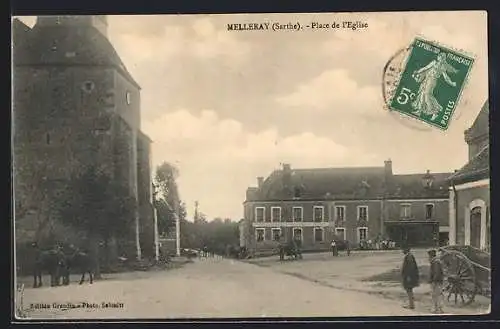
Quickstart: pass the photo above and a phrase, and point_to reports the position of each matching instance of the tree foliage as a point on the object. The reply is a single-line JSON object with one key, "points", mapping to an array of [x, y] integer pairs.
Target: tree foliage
{"points": [[98, 205], [167, 199]]}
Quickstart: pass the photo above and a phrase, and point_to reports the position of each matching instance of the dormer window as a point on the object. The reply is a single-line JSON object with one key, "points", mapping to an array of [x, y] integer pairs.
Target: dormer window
{"points": [[427, 180], [296, 192]]}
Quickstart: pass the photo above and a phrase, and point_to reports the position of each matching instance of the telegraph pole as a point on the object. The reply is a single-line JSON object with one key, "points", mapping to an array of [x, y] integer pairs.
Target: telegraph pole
{"points": [[155, 214], [177, 233]]}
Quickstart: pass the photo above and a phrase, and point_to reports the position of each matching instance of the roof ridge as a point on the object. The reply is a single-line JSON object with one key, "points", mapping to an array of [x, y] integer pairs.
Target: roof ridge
{"points": [[336, 168]]}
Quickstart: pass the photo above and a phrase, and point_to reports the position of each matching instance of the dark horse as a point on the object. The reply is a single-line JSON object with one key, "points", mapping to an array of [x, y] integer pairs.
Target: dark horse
{"points": [[78, 260], [47, 261], [290, 249]]}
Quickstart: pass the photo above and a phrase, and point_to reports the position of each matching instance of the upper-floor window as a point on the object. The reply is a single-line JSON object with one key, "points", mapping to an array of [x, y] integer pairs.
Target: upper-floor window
{"points": [[429, 211], [297, 214], [405, 210], [275, 214], [259, 214], [319, 213], [363, 213], [340, 213]]}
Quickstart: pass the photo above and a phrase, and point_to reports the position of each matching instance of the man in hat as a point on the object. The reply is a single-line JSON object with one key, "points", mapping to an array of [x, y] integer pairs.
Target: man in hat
{"points": [[410, 276], [436, 278], [333, 247]]}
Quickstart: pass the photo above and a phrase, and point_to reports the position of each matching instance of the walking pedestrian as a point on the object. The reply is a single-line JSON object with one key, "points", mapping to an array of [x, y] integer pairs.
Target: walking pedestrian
{"points": [[348, 247], [410, 276], [436, 278]]}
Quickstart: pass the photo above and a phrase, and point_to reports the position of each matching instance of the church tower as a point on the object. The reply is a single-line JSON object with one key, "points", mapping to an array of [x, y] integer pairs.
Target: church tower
{"points": [[99, 22], [75, 106]]}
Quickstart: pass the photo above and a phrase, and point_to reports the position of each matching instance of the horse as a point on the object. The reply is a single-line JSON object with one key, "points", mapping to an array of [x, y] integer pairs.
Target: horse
{"points": [[49, 261], [80, 261]]}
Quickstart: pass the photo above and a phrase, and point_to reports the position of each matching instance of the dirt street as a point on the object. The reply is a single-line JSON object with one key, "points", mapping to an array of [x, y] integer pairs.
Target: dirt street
{"points": [[205, 288], [373, 272]]}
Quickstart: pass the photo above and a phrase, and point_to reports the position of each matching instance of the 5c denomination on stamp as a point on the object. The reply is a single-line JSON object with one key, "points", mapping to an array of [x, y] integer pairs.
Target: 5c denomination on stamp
{"points": [[431, 83]]}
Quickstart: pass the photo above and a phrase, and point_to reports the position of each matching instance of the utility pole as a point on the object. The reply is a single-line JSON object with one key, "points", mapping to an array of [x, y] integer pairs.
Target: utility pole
{"points": [[155, 214], [177, 232], [196, 211]]}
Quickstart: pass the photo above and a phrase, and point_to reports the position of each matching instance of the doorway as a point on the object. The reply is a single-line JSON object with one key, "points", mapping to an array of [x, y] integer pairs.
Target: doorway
{"points": [[475, 227]]}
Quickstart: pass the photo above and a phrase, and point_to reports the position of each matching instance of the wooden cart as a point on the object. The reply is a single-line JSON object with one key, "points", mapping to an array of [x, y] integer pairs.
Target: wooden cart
{"points": [[468, 273]]}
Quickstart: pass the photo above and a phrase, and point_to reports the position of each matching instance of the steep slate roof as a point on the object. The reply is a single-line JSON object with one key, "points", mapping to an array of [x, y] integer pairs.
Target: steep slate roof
{"points": [[477, 168], [51, 45], [19, 31], [480, 126], [347, 183], [412, 186], [315, 184]]}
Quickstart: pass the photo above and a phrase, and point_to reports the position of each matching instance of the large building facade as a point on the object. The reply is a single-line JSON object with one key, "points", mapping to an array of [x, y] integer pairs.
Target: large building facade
{"points": [[318, 205], [470, 220], [75, 106]]}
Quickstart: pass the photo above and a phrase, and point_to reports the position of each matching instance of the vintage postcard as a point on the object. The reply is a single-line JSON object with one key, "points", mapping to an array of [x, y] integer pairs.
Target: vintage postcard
{"points": [[251, 166]]}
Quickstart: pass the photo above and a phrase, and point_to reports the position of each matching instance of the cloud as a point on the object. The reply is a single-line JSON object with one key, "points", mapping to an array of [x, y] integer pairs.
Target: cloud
{"points": [[219, 159], [334, 90], [388, 33], [164, 39]]}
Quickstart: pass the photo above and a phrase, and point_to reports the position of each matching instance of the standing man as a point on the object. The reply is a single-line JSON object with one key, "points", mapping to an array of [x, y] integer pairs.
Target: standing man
{"points": [[333, 246], [348, 247], [410, 276], [436, 278]]}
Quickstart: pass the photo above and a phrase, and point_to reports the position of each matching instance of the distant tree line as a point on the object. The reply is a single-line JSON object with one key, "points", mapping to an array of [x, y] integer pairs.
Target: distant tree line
{"points": [[200, 232]]}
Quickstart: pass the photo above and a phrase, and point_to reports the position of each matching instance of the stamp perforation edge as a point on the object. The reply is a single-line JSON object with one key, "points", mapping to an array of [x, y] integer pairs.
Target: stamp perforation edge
{"points": [[469, 55]]}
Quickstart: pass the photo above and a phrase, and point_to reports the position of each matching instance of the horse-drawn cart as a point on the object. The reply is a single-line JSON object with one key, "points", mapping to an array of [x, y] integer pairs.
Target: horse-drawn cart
{"points": [[467, 271], [290, 249]]}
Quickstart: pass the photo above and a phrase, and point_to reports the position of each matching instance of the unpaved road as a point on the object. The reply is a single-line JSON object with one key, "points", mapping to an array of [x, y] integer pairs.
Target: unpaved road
{"points": [[217, 288]]}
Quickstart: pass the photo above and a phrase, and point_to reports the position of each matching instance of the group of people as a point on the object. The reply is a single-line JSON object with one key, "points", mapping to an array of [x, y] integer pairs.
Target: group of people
{"points": [[411, 279], [377, 244]]}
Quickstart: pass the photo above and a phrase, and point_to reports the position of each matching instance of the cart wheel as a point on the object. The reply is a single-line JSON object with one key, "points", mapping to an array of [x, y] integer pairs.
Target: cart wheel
{"points": [[460, 286]]}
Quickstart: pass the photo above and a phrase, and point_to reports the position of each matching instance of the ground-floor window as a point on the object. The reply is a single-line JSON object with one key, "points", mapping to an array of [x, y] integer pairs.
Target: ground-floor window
{"points": [[297, 234], [260, 234], [362, 233], [276, 234], [318, 234], [340, 232]]}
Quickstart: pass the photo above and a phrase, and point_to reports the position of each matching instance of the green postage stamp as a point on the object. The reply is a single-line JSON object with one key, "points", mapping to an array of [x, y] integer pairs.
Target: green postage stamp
{"points": [[431, 83]]}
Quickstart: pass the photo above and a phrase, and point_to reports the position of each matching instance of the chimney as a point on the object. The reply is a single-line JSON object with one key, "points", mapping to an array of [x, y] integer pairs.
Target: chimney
{"points": [[260, 180], [388, 167], [427, 179], [388, 172], [287, 176]]}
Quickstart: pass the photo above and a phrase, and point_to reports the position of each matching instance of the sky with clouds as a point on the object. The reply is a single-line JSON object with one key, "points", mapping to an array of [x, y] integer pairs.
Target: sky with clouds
{"points": [[228, 106]]}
